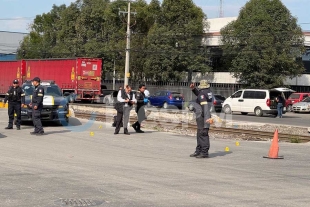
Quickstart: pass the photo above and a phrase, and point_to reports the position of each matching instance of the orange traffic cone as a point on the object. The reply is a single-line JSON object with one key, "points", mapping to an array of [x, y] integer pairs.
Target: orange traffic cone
{"points": [[274, 148]]}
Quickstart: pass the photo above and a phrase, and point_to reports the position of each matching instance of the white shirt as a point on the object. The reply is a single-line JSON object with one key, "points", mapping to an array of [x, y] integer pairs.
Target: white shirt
{"points": [[120, 99], [146, 93]]}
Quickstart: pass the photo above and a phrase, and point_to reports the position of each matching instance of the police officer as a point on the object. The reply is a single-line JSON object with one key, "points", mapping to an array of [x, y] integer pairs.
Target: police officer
{"points": [[141, 101], [16, 98], [37, 105], [203, 118]]}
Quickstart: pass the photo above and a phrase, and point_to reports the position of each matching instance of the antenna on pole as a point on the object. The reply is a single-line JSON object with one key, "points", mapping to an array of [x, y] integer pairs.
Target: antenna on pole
{"points": [[221, 13]]}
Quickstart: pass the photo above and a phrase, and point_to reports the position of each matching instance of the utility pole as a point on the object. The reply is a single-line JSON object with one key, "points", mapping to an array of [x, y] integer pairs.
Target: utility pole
{"points": [[114, 75], [221, 13], [127, 74]]}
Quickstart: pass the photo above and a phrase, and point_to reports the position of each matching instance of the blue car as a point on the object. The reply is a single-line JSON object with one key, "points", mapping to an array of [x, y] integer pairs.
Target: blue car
{"points": [[166, 98]]}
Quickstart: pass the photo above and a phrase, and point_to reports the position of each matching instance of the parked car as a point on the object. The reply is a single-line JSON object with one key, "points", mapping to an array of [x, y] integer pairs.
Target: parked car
{"points": [[55, 106], [295, 98], [217, 103], [302, 106], [257, 101], [165, 99]]}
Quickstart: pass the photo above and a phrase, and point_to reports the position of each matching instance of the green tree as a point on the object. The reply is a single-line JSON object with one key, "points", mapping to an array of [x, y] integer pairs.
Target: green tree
{"points": [[261, 47], [174, 41]]}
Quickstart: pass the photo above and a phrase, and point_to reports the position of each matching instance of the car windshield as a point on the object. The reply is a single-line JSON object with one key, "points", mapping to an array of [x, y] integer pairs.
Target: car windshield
{"points": [[294, 96], [306, 99], [220, 97], [52, 91], [48, 90]]}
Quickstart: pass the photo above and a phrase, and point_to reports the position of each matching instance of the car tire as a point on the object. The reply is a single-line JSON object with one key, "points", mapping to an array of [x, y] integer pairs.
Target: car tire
{"points": [[165, 105], [244, 113], [258, 111], [227, 109]]}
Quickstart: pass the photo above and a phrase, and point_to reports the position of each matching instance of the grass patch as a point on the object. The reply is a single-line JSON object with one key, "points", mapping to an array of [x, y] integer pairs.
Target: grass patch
{"points": [[295, 139]]}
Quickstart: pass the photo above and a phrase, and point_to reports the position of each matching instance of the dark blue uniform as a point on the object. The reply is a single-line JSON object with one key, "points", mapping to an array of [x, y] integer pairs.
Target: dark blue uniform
{"points": [[204, 103], [15, 96], [141, 101], [37, 100]]}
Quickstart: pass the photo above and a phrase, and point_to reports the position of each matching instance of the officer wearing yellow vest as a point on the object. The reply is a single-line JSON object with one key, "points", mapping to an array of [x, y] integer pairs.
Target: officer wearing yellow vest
{"points": [[16, 98], [203, 118]]}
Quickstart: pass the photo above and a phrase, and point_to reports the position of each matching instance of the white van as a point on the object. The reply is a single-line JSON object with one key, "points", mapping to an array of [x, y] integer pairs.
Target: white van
{"points": [[257, 101]]}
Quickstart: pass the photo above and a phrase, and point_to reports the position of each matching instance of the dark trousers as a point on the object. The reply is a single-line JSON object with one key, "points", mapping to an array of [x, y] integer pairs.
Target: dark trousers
{"points": [[14, 107], [119, 120], [36, 119], [141, 117], [203, 141]]}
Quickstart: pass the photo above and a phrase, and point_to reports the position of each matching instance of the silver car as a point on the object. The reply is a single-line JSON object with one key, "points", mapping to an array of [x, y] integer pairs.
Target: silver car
{"points": [[302, 106]]}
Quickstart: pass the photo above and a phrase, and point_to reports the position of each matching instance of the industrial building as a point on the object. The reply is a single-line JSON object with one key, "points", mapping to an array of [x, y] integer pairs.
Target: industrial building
{"points": [[9, 43]]}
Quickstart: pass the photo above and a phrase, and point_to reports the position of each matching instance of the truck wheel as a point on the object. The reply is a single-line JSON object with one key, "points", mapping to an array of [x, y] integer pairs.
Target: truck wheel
{"points": [[289, 108], [258, 111], [71, 99]]}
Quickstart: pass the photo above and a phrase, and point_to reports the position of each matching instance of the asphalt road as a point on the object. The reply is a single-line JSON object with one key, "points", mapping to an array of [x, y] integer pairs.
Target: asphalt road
{"points": [[88, 162]]}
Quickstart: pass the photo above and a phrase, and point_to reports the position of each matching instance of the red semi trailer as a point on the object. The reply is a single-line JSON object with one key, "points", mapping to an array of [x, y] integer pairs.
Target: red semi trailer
{"points": [[9, 71], [78, 78]]}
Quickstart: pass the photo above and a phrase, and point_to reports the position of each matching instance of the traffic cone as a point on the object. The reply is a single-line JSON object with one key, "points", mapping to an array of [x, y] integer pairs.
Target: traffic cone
{"points": [[274, 148]]}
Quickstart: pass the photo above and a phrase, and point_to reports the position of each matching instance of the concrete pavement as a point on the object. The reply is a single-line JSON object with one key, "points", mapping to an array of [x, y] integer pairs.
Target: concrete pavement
{"points": [[88, 162]]}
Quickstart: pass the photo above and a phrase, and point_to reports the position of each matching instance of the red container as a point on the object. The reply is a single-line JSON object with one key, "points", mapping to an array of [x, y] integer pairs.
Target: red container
{"points": [[9, 71], [81, 77]]}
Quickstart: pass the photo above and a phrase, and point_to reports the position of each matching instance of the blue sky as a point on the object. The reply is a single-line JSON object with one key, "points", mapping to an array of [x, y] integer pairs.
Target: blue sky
{"points": [[16, 15]]}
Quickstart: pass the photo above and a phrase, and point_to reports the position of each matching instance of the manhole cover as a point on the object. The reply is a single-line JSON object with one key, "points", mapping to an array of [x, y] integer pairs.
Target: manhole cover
{"points": [[78, 202]]}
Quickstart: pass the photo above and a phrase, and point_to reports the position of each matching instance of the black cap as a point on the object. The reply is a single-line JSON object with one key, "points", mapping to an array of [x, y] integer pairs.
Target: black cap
{"points": [[15, 81], [36, 79]]}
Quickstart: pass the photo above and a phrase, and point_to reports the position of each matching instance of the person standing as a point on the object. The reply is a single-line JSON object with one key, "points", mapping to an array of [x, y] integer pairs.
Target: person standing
{"points": [[203, 118], [16, 99], [37, 105], [126, 99], [280, 101], [141, 101]]}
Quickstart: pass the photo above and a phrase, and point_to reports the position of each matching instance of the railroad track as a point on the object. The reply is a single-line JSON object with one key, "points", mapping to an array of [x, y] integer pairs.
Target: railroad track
{"points": [[247, 134]]}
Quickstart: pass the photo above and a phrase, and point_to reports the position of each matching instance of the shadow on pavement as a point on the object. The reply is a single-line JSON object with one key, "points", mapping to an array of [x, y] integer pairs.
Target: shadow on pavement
{"points": [[57, 132], [2, 136], [218, 154]]}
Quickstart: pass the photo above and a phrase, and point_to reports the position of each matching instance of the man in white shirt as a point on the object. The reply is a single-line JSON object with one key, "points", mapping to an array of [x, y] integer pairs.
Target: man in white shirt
{"points": [[127, 98]]}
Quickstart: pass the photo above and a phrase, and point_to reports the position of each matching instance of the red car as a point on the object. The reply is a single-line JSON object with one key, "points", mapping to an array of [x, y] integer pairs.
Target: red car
{"points": [[295, 98]]}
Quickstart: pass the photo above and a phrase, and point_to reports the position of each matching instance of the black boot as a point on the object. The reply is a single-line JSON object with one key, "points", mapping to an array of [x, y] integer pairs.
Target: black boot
{"points": [[139, 129], [126, 131], [9, 127], [135, 126]]}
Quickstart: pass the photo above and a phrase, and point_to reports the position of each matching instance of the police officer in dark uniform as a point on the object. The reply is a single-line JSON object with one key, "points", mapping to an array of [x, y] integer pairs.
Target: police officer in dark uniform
{"points": [[203, 118], [37, 105], [141, 101], [16, 98]]}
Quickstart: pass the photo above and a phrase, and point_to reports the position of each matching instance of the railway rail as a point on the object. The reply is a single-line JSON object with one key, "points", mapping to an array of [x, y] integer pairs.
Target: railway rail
{"points": [[247, 134]]}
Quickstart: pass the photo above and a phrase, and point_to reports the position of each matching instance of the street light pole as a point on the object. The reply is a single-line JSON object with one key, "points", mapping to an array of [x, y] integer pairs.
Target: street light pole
{"points": [[114, 76], [127, 49], [127, 74]]}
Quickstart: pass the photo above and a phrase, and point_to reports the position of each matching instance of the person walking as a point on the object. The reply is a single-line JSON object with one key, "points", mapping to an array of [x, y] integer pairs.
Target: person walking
{"points": [[16, 99], [37, 106], [203, 118], [141, 100], [280, 101], [126, 99]]}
